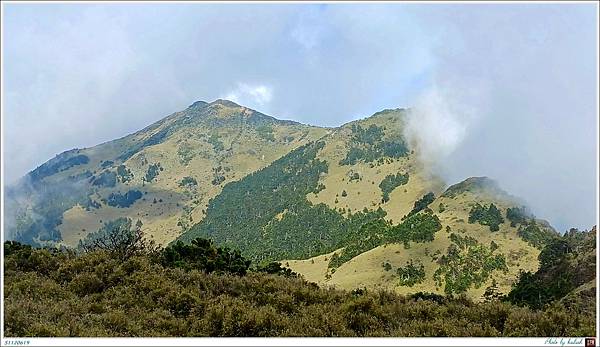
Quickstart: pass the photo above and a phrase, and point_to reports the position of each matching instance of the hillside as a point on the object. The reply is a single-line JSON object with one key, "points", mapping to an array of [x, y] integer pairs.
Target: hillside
{"points": [[163, 175], [346, 207]]}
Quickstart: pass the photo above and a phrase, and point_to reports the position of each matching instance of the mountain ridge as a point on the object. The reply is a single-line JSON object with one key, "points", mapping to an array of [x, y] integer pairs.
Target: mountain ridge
{"points": [[334, 204]]}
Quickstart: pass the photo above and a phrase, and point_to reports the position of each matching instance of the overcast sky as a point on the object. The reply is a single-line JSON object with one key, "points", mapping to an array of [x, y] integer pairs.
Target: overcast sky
{"points": [[504, 90]]}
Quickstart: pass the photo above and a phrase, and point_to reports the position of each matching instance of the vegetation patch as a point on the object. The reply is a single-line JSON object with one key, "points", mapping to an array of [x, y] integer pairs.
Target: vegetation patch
{"points": [[188, 182], [39, 223], [155, 139], [218, 176], [203, 255], [535, 235], [91, 203], [105, 179], [265, 132], [354, 176], [81, 176], [215, 141], [417, 228], [411, 274], [420, 227], [245, 214], [422, 203], [154, 293], [489, 216], [106, 163], [566, 262], [518, 215], [60, 163], [369, 236], [123, 200], [467, 263], [186, 153], [369, 145], [153, 171], [390, 182], [124, 174]]}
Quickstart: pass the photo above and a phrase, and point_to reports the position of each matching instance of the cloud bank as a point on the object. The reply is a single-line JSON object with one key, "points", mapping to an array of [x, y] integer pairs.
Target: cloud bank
{"points": [[502, 90]]}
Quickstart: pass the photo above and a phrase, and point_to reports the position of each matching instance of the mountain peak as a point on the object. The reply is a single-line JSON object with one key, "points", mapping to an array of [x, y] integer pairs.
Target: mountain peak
{"points": [[224, 102], [198, 104], [473, 184]]}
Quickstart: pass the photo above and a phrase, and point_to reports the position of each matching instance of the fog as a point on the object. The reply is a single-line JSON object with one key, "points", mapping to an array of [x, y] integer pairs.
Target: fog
{"points": [[506, 91]]}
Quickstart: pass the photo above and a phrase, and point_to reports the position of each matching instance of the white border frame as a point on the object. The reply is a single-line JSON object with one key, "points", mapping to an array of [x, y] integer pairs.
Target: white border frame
{"points": [[277, 341]]}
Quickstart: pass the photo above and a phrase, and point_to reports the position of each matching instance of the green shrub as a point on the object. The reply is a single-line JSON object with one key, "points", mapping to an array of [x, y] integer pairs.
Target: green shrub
{"points": [[467, 263], [534, 235], [489, 216], [411, 274], [368, 145], [152, 172], [266, 132], [188, 182], [119, 238], [422, 203], [203, 255], [80, 299], [124, 174], [390, 182]]}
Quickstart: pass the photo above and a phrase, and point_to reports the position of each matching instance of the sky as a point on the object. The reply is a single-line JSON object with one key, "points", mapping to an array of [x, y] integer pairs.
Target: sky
{"points": [[507, 91]]}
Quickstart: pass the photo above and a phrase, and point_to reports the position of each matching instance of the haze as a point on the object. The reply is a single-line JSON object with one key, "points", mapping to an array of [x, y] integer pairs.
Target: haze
{"points": [[500, 90]]}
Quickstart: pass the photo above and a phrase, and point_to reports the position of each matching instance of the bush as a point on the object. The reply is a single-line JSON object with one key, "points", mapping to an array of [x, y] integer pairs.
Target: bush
{"points": [[188, 182], [489, 216], [411, 274], [536, 236], [203, 255], [390, 182], [421, 204], [106, 179], [124, 174], [152, 172], [96, 295], [467, 263], [123, 200], [120, 239]]}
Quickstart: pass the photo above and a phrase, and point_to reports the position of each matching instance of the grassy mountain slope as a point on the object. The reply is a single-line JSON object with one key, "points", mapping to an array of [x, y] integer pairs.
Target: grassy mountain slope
{"points": [[348, 207], [178, 164], [368, 268], [338, 206]]}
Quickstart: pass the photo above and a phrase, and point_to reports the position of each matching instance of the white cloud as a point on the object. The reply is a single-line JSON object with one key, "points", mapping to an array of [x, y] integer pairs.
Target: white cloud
{"points": [[438, 124], [251, 95]]}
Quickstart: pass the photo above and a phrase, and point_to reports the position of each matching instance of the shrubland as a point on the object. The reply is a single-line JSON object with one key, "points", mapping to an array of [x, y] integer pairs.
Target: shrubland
{"points": [[202, 289]]}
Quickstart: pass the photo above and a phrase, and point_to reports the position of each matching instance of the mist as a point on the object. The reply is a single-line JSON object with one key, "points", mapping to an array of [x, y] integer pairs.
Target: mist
{"points": [[506, 91]]}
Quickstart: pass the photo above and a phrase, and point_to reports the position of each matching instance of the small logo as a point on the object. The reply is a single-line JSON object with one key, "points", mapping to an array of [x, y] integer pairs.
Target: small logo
{"points": [[590, 342]]}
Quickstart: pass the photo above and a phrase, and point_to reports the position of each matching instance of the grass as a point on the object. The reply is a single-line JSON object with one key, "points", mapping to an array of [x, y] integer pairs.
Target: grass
{"points": [[365, 270]]}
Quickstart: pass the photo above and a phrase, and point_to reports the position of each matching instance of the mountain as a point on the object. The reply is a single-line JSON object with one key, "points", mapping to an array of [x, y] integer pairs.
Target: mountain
{"points": [[163, 175], [349, 207]]}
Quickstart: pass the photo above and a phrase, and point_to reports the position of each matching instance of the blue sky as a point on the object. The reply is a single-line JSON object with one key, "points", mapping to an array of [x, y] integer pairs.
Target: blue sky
{"points": [[502, 90]]}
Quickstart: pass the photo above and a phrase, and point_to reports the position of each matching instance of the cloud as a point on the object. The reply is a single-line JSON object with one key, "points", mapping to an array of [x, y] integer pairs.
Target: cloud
{"points": [[436, 126], [507, 91], [515, 99], [257, 96]]}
